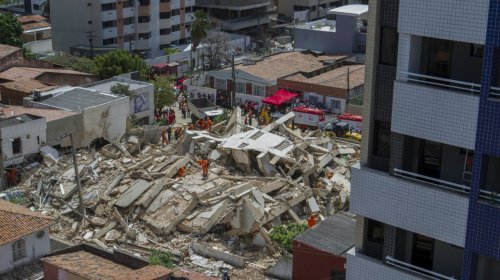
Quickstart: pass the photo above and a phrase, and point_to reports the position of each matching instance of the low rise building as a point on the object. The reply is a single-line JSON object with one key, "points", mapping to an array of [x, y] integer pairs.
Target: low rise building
{"points": [[100, 115], [21, 136], [141, 102], [10, 55], [24, 235]]}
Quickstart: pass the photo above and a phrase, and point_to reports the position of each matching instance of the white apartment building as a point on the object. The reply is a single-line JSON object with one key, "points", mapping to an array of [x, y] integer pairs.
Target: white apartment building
{"points": [[93, 27]]}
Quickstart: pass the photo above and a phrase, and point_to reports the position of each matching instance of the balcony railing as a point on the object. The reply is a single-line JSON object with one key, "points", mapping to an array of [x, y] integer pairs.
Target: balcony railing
{"points": [[432, 181], [415, 269], [442, 82], [495, 92]]}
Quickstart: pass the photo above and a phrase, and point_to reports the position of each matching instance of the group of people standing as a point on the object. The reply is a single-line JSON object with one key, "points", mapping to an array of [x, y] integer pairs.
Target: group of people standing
{"points": [[167, 114]]}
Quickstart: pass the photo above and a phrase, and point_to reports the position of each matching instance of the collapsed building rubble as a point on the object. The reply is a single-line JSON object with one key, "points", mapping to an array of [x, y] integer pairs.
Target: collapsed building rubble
{"points": [[259, 178]]}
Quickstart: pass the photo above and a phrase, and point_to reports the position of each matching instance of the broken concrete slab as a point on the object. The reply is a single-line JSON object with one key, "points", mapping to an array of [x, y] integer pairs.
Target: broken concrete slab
{"points": [[208, 252], [104, 230], [136, 190]]}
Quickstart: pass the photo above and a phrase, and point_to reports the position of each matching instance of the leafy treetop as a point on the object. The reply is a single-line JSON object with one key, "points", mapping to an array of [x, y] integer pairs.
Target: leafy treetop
{"points": [[10, 30], [119, 62]]}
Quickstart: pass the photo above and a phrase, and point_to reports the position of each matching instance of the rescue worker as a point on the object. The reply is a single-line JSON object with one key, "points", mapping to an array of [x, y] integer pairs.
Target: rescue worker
{"points": [[169, 133], [200, 124], [209, 124], [181, 171], [204, 166], [163, 137], [311, 221]]}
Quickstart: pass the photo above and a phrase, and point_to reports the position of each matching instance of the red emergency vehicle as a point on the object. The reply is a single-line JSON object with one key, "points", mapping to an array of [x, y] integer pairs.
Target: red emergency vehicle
{"points": [[308, 117], [354, 121]]}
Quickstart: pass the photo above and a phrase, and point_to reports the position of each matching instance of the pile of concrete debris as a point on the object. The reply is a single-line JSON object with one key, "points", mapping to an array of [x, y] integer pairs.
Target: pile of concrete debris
{"points": [[135, 199]]}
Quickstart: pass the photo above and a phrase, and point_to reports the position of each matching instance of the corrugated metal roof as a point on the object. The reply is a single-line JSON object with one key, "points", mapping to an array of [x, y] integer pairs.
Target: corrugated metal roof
{"points": [[78, 99]]}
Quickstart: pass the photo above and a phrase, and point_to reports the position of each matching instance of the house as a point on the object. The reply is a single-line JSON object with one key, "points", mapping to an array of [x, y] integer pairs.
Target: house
{"points": [[21, 136], [24, 235], [35, 28], [306, 10], [100, 115], [10, 54], [56, 119], [142, 103], [87, 262], [318, 78], [345, 34], [17, 82], [337, 90], [320, 251]]}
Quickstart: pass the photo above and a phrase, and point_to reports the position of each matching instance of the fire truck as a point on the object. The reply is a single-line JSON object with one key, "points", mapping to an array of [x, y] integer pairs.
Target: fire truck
{"points": [[308, 117], [354, 121]]}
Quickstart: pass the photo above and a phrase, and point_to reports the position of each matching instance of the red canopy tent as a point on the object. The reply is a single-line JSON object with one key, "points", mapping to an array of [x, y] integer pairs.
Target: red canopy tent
{"points": [[279, 97]]}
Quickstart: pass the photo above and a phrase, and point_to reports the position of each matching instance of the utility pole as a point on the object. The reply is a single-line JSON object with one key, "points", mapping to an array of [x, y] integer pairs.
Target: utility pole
{"points": [[91, 42], [348, 86], [77, 175], [233, 90], [317, 17]]}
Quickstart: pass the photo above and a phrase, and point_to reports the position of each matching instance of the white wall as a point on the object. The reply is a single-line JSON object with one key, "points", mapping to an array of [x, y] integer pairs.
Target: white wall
{"points": [[107, 120], [145, 94], [35, 248], [33, 136], [241, 98], [194, 90]]}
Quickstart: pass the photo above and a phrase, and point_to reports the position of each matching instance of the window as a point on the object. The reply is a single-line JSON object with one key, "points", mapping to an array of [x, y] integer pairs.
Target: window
{"points": [[220, 84], [18, 250], [259, 90], [189, 9], [16, 146], [89, 22], [388, 46], [476, 50], [144, 36], [36, 7], [108, 24], [165, 31], [176, 27], [382, 139], [165, 1], [335, 104], [108, 6], [144, 2], [128, 21], [128, 4], [40, 234], [176, 12], [240, 87], [337, 275], [375, 231], [164, 15], [110, 41], [143, 19], [89, 4]]}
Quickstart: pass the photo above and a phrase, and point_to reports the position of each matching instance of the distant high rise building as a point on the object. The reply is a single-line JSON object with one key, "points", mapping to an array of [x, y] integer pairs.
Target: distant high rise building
{"points": [[426, 194], [143, 26]]}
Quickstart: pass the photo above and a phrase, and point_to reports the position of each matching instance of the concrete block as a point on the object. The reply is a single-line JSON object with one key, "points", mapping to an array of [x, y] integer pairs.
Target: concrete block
{"points": [[208, 252], [136, 190], [263, 161]]}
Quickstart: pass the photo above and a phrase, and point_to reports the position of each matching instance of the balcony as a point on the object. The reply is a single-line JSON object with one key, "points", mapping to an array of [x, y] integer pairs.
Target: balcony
{"points": [[410, 204], [129, 29], [165, 39], [109, 33], [144, 44], [143, 27], [244, 22], [128, 12], [108, 15], [425, 108], [448, 19], [175, 20]]}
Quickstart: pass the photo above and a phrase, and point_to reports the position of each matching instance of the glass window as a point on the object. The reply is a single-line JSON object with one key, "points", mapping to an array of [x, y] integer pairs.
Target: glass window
{"points": [[110, 41], [144, 36], [109, 6], [128, 21], [108, 24], [176, 27], [382, 139], [164, 15], [128, 4], [144, 2], [240, 87], [18, 250], [388, 46], [143, 19], [476, 50], [259, 90], [165, 31], [176, 12], [335, 104], [375, 231], [220, 84]]}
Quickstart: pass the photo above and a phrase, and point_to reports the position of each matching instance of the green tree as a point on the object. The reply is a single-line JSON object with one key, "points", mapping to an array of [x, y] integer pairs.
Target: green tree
{"points": [[200, 27], [164, 91], [284, 235], [161, 258], [122, 89], [169, 51], [76, 63], [119, 62], [10, 30]]}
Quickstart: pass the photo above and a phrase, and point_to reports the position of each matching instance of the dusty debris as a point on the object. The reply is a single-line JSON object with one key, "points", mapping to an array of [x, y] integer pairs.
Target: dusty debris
{"points": [[139, 195]]}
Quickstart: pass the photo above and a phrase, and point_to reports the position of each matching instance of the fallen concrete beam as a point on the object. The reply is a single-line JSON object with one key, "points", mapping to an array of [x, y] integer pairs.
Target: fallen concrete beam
{"points": [[155, 190], [208, 252], [114, 182], [265, 166], [105, 230], [273, 186], [174, 168], [279, 121], [119, 217], [136, 190], [141, 164]]}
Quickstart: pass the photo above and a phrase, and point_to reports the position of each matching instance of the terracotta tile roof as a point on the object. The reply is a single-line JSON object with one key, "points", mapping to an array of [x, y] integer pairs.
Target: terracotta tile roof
{"points": [[30, 18], [5, 50], [35, 25], [27, 85], [90, 266], [336, 78], [283, 64], [18, 73], [17, 222], [48, 114]]}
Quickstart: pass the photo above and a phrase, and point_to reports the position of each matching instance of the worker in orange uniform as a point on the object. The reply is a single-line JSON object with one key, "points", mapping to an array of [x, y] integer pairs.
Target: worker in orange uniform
{"points": [[204, 166], [181, 171], [163, 137], [209, 124], [201, 124], [311, 221]]}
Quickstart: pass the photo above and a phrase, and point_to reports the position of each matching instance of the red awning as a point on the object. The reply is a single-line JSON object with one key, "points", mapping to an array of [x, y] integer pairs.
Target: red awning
{"points": [[279, 97]]}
